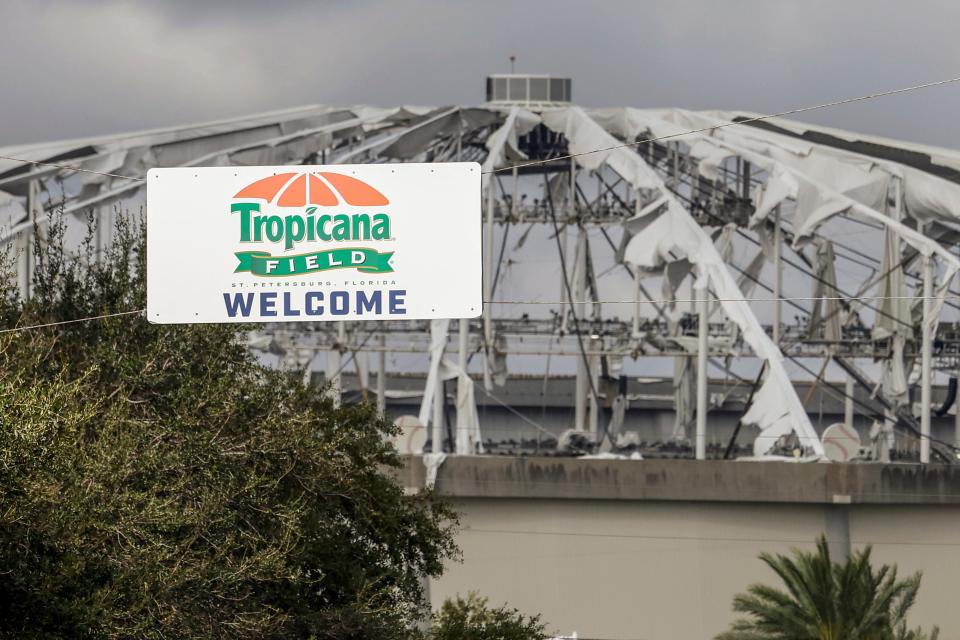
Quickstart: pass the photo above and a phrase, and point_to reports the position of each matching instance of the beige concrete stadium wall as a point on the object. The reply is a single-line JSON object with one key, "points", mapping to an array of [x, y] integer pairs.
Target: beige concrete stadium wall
{"points": [[669, 570], [659, 548]]}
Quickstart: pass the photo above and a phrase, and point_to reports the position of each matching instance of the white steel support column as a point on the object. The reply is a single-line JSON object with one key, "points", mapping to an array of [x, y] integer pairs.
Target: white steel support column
{"points": [[437, 420], [335, 364], [926, 357], [104, 231], [308, 368], [778, 277], [637, 312], [579, 288], [463, 338], [382, 377], [24, 249], [704, 311], [488, 288], [26, 240], [849, 390], [637, 309], [888, 438], [564, 292], [513, 198], [594, 415]]}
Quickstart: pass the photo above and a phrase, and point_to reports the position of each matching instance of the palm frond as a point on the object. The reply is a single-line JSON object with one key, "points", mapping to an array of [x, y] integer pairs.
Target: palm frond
{"points": [[824, 600]]}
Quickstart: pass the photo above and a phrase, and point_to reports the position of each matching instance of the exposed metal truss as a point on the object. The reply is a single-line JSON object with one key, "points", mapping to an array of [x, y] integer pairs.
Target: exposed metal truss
{"points": [[699, 250]]}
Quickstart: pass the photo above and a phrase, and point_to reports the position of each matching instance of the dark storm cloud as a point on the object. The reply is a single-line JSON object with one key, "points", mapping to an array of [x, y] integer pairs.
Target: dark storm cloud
{"points": [[75, 68]]}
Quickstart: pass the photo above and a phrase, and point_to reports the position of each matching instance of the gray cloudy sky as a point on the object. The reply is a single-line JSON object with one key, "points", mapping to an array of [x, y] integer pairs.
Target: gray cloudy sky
{"points": [[82, 67]]}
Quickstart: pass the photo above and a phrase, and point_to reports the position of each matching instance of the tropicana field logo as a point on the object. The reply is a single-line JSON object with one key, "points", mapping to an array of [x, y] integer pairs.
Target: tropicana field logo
{"points": [[293, 208]]}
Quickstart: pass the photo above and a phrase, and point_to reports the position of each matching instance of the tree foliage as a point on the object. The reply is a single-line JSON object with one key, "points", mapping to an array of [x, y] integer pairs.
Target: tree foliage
{"points": [[471, 618], [825, 600], [158, 482]]}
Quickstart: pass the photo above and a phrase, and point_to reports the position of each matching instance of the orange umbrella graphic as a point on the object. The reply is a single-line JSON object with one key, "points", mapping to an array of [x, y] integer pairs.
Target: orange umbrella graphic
{"points": [[300, 189]]}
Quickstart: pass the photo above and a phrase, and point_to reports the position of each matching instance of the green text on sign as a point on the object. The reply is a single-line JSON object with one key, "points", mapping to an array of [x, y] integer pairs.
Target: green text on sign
{"points": [[262, 263]]}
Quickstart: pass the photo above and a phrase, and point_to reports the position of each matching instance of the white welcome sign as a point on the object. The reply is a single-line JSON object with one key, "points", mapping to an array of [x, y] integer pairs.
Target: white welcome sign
{"points": [[314, 243]]}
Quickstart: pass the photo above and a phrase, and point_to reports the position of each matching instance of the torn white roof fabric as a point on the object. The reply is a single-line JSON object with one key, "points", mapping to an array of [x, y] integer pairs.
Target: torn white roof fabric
{"points": [[673, 234]]}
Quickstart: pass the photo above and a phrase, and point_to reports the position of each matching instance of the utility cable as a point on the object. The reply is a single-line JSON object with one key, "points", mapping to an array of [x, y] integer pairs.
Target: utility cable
{"points": [[63, 322], [71, 168], [677, 300], [512, 410], [723, 125]]}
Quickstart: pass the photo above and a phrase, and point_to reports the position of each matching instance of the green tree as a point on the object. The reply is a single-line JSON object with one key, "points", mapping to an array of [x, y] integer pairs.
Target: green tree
{"points": [[471, 619], [825, 600], [158, 482]]}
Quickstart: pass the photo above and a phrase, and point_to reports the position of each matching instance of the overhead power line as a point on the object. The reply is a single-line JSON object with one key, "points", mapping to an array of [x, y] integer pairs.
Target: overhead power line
{"points": [[67, 167], [63, 322], [539, 302], [693, 300], [723, 125]]}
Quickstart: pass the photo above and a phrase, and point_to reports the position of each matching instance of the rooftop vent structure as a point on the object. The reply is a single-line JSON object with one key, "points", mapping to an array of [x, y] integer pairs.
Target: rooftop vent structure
{"points": [[529, 90]]}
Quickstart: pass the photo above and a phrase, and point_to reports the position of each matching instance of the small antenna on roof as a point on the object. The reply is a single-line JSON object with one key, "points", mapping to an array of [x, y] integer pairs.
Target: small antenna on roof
{"points": [[513, 58]]}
